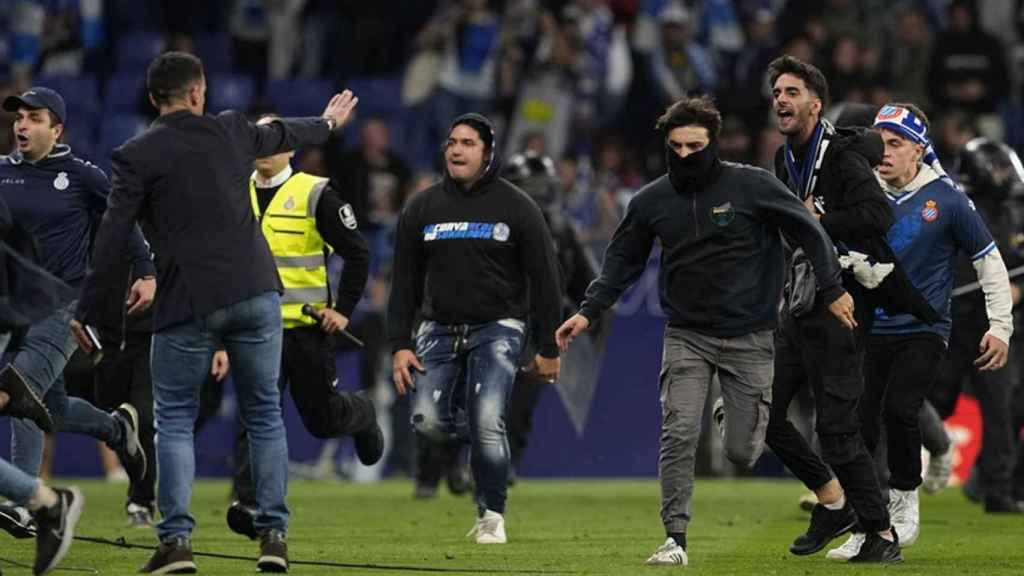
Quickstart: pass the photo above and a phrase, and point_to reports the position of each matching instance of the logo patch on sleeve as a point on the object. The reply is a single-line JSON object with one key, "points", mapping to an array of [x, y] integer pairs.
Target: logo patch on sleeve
{"points": [[348, 216]]}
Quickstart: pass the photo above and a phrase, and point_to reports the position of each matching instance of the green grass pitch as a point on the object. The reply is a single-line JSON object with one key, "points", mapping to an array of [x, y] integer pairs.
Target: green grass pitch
{"points": [[554, 527]]}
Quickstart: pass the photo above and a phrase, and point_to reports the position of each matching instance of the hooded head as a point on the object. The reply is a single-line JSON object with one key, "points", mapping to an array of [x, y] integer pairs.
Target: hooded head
{"points": [[470, 152], [690, 128]]}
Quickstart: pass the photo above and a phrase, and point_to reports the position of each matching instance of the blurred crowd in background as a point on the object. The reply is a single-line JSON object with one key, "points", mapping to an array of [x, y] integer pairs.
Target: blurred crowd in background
{"points": [[581, 81]]}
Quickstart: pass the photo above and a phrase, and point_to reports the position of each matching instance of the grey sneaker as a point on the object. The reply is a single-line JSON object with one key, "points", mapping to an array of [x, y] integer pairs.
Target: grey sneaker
{"points": [[273, 552], [171, 557], [129, 450]]}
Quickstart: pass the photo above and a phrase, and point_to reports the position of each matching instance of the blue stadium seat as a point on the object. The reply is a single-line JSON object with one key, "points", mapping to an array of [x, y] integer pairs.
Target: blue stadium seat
{"points": [[216, 52], [124, 93], [136, 50], [300, 97], [114, 131], [80, 134], [81, 94], [229, 92], [378, 95]]}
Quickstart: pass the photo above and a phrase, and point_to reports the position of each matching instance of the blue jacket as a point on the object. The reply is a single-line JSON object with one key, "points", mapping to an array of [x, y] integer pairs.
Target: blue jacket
{"points": [[59, 201]]}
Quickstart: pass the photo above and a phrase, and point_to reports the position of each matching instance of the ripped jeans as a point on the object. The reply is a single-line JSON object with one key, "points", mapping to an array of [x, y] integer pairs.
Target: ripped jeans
{"points": [[464, 393]]}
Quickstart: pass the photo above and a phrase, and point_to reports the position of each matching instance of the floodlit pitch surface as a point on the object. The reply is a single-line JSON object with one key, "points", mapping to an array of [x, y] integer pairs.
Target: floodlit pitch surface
{"points": [[554, 527]]}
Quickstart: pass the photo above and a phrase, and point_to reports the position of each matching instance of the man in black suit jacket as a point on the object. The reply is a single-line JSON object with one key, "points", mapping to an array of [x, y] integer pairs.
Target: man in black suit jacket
{"points": [[187, 178]]}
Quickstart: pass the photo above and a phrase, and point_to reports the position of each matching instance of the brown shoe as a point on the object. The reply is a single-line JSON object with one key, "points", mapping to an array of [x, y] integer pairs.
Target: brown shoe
{"points": [[171, 557], [273, 552]]}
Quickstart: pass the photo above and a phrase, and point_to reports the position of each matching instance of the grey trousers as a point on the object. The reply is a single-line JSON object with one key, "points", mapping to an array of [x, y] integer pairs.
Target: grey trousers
{"points": [[744, 365]]}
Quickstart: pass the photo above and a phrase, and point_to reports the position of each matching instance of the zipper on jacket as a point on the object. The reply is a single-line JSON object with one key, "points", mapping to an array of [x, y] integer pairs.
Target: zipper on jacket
{"points": [[696, 223]]}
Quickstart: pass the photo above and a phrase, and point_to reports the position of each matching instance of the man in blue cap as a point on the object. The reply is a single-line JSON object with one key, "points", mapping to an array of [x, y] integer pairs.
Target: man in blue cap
{"points": [[58, 200]]}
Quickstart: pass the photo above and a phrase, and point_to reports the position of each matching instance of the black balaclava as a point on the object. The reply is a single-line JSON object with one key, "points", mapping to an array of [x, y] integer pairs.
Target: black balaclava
{"points": [[696, 170]]}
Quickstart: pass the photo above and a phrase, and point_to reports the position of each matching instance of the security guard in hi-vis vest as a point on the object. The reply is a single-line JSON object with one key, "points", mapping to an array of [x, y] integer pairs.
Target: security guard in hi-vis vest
{"points": [[304, 219]]}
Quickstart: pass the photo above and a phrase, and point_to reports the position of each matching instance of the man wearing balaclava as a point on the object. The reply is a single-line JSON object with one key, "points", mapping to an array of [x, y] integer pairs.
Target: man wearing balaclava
{"points": [[474, 256], [720, 228]]}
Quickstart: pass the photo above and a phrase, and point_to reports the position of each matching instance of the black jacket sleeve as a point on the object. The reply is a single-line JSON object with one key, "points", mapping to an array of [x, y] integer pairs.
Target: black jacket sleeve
{"points": [[863, 212], [281, 135], [537, 251], [624, 261], [781, 208], [139, 257], [126, 199], [407, 278], [337, 225]]}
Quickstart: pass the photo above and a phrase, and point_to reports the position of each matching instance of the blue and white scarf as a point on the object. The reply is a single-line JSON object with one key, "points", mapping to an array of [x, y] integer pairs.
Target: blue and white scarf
{"points": [[907, 124]]}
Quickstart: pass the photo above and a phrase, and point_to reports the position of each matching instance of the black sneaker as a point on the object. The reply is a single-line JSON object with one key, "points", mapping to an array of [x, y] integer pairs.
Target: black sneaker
{"points": [[1002, 504], [129, 451], [459, 478], [242, 519], [17, 521], [56, 528], [878, 550], [370, 440], [825, 526], [24, 402], [171, 557], [424, 491], [139, 516], [273, 552]]}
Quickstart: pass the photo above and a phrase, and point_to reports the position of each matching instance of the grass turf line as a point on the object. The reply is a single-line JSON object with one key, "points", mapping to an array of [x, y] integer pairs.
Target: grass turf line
{"points": [[563, 527]]}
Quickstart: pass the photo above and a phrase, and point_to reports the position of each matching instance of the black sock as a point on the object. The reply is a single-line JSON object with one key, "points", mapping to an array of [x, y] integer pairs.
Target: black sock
{"points": [[679, 537]]}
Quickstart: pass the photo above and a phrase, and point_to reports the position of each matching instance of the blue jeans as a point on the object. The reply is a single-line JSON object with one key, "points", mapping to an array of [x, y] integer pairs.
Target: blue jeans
{"points": [[250, 331], [463, 394], [14, 484], [40, 358]]}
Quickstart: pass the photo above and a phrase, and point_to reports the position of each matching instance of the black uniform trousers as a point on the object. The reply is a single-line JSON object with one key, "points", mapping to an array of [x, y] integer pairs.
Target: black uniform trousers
{"points": [[817, 350], [308, 371], [994, 392], [899, 372]]}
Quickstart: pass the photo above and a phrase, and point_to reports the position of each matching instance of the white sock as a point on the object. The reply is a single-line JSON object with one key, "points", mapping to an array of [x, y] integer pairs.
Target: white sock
{"points": [[837, 505], [44, 497]]}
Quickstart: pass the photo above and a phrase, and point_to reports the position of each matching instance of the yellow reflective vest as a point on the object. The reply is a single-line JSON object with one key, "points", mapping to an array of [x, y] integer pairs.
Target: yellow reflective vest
{"points": [[289, 225]]}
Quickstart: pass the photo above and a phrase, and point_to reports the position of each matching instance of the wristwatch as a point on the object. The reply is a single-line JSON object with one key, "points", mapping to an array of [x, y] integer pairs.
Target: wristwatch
{"points": [[331, 124]]}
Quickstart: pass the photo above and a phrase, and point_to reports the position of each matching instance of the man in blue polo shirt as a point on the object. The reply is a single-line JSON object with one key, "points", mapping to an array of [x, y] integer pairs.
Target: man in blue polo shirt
{"points": [[59, 199], [934, 222]]}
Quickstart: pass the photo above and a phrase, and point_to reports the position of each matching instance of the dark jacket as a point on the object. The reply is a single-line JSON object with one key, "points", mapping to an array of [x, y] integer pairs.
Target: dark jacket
{"points": [[28, 293], [474, 256], [186, 178], [857, 217], [59, 200], [722, 261]]}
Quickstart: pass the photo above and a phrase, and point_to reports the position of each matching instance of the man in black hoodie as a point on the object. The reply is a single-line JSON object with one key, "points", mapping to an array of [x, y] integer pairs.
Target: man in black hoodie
{"points": [[722, 266], [830, 170], [474, 256]]}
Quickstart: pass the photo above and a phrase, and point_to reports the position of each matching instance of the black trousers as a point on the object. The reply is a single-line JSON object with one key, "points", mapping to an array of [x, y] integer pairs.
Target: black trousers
{"points": [[124, 376], [994, 392], [817, 350], [899, 371], [308, 371]]}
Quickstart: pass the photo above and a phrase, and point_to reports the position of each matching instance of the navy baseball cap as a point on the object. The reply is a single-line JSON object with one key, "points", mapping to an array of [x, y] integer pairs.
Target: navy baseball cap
{"points": [[38, 97]]}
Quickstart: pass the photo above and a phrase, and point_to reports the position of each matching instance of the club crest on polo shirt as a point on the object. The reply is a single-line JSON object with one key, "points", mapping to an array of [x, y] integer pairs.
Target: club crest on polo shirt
{"points": [[499, 231], [930, 212], [723, 215], [61, 182]]}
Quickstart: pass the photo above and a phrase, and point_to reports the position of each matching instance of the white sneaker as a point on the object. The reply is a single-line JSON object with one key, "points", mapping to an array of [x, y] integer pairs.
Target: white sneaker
{"points": [[668, 554], [940, 467], [905, 511], [489, 529], [848, 550], [718, 414]]}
